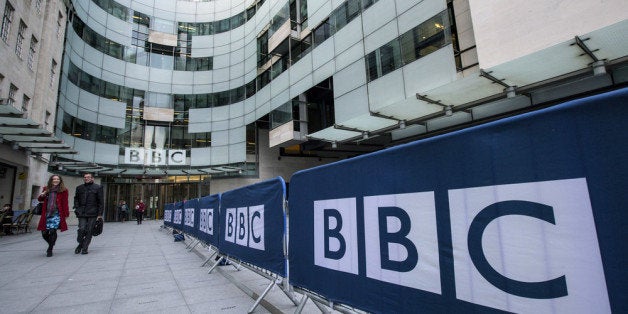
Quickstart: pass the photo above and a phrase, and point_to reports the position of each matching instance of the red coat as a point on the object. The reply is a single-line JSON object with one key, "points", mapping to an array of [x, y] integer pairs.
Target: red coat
{"points": [[62, 205], [140, 207]]}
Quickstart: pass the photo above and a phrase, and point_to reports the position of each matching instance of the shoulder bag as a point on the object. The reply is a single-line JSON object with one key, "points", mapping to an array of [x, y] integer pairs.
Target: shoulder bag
{"points": [[37, 209]]}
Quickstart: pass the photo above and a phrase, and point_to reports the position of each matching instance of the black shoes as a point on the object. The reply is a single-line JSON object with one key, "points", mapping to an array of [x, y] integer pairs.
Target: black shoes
{"points": [[80, 249], [49, 253]]}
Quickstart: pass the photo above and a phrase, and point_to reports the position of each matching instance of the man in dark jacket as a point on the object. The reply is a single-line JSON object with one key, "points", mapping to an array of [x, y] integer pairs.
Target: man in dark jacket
{"points": [[88, 207]]}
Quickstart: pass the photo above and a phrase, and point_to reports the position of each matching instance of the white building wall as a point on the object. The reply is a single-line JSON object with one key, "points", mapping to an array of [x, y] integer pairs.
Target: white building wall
{"points": [[512, 29]]}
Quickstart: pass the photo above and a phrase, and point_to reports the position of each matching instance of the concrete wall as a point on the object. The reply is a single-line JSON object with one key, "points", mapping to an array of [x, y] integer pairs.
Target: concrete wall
{"points": [[270, 166]]}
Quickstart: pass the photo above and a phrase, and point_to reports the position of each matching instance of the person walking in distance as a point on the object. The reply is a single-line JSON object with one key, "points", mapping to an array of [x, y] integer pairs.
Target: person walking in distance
{"points": [[123, 210], [140, 207], [54, 211], [88, 207]]}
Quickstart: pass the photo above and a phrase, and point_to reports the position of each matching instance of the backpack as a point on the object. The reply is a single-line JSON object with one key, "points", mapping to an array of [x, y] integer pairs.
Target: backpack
{"points": [[179, 237]]}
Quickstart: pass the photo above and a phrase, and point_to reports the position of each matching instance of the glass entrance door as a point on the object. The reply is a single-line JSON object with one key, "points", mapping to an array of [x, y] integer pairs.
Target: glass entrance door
{"points": [[154, 195]]}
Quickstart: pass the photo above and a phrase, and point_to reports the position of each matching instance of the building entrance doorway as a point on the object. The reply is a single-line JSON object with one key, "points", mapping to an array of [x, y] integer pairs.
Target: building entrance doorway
{"points": [[155, 195]]}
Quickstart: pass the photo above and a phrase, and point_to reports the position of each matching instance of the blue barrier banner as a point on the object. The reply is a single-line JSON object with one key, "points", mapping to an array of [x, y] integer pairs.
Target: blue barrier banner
{"points": [[190, 216], [168, 209], [209, 219], [525, 214], [177, 216], [252, 224]]}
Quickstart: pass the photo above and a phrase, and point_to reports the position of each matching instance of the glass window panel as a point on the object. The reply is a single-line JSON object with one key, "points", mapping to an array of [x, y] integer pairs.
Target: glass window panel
{"points": [[407, 47], [78, 26], [237, 94], [141, 18], [163, 26], [141, 57], [66, 125], [250, 13], [263, 79], [159, 100], [222, 98], [223, 26], [130, 54], [238, 20], [200, 140], [250, 89], [112, 91], [126, 94], [201, 101], [367, 3], [180, 62], [107, 134], [322, 32], [161, 61], [353, 9], [189, 100], [251, 139], [432, 36], [371, 66], [390, 57], [178, 139], [73, 74], [118, 10], [115, 50], [79, 128], [90, 84], [338, 18]]}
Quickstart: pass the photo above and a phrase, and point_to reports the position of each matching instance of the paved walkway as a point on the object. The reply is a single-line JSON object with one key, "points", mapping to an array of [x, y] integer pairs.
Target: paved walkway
{"points": [[130, 268]]}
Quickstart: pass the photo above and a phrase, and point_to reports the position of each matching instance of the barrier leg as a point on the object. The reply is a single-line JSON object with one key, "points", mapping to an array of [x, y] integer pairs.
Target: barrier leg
{"points": [[208, 259], [192, 248], [237, 267], [301, 304], [288, 292], [188, 246], [322, 307], [272, 283], [216, 264]]}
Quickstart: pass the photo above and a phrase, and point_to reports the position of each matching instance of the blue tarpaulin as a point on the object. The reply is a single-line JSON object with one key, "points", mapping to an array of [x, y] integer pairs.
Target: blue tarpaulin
{"points": [[525, 214]]}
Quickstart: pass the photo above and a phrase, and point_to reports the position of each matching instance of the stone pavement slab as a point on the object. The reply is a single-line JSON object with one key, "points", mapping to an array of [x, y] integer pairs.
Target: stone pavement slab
{"points": [[130, 268]]}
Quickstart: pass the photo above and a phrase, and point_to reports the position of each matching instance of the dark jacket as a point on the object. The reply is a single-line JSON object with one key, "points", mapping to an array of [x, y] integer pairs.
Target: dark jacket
{"points": [[88, 200], [62, 206]]}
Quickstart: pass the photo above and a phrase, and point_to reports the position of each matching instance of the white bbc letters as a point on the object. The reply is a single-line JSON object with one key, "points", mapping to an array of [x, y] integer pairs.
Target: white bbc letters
{"points": [[245, 226], [177, 216], [527, 247], [154, 157], [206, 220], [541, 241], [256, 230], [189, 217], [230, 224], [336, 235], [242, 226], [401, 240]]}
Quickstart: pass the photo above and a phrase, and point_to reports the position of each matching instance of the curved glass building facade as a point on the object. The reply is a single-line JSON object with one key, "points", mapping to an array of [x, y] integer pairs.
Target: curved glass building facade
{"points": [[176, 87], [167, 91]]}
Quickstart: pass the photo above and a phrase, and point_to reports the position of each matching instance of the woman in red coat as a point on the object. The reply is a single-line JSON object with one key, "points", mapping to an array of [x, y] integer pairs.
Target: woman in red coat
{"points": [[54, 211]]}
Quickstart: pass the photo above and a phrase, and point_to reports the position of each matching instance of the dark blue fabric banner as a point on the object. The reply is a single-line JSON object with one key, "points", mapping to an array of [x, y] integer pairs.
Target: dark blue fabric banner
{"points": [[252, 224], [525, 214], [168, 209], [208, 229], [190, 216], [177, 216]]}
